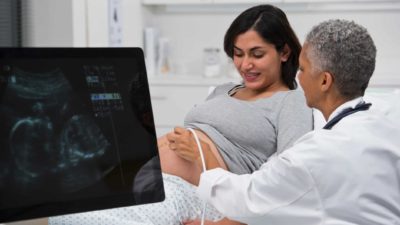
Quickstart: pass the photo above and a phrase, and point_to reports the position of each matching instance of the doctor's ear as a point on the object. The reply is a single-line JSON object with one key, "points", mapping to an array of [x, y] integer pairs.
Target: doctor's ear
{"points": [[326, 81], [285, 53]]}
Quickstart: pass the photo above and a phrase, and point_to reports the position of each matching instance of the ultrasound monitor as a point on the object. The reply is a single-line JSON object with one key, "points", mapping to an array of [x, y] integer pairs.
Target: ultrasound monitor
{"points": [[76, 132]]}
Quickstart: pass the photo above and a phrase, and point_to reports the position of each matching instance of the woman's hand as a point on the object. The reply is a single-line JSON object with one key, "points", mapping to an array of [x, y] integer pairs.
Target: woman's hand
{"points": [[182, 142]]}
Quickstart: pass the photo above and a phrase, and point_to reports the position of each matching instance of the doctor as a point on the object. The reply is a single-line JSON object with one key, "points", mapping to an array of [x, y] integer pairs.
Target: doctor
{"points": [[346, 173]]}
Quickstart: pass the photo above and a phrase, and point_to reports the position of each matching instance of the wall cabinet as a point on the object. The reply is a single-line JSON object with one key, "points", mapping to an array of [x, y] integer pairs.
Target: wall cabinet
{"points": [[173, 97], [170, 104]]}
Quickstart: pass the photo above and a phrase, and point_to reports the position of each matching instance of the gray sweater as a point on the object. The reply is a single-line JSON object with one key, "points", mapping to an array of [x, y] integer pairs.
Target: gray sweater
{"points": [[246, 133]]}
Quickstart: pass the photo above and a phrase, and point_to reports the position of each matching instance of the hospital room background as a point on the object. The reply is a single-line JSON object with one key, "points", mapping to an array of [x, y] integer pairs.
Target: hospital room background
{"points": [[183, 40]]}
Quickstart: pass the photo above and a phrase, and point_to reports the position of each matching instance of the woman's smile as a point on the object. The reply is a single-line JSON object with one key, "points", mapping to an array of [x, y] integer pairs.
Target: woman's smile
{"points": [[251, 76]]}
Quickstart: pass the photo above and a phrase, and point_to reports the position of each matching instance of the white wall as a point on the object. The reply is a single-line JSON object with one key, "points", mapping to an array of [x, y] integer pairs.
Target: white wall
{"points": [[384, 27], [132, 23], [78, 23], [48, 23], [191, 29]]}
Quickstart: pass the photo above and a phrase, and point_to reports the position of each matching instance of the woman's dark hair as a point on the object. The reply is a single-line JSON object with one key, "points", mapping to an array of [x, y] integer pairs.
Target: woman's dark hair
{"points": [[273, 26]]}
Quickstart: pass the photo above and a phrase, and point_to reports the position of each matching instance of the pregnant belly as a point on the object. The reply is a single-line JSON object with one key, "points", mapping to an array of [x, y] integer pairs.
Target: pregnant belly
{"points": [[204, 137]]}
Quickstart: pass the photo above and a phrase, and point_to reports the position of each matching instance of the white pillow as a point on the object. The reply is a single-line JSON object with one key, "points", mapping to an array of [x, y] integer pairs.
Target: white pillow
{"points": [[318, 117], [387, 101]]}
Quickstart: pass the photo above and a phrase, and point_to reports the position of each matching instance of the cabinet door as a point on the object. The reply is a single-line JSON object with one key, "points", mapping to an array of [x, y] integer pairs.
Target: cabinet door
{"points": [[171, 103]]}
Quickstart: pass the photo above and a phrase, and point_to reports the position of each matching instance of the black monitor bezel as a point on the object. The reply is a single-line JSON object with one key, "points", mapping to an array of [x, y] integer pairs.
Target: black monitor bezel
{"points": [[81, 205]]}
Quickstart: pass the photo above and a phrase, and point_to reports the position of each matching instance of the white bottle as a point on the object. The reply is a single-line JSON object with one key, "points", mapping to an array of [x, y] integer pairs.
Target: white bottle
{"points": [[163, 66], [212, 62], [150, 49]]}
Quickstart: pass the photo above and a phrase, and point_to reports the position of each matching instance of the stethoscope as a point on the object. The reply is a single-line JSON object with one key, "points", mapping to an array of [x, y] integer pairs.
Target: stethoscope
{"points": [[362, 106]]}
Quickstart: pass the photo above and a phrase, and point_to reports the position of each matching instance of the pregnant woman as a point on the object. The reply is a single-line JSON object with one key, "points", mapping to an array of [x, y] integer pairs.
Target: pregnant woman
{"points": [[244, 124]]}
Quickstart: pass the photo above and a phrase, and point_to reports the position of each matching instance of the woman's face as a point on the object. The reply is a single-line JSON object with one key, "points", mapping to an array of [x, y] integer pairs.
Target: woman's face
{"points": [[258, 62]]}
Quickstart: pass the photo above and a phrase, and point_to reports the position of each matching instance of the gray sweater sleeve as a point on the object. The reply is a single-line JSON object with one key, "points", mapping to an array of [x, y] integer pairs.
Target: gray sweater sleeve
{"points": [[294, 120]]}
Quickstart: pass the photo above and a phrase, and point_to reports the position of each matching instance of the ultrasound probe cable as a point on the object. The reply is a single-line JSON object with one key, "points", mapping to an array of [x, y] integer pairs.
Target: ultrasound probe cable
{"points": [[203, 163]]}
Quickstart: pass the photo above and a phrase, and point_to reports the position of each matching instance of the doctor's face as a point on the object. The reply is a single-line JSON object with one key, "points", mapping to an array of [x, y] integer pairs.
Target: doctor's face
{"points": [[258, 62], [309, 79]]}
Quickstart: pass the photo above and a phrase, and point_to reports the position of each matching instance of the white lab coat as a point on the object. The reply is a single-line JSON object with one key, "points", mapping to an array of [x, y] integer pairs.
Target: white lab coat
{"points": [[347, 175]]}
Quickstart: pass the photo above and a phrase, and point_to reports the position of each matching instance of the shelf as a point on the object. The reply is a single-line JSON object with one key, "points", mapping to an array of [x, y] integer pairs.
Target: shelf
{"points": [[189, 80], [378, 80]]}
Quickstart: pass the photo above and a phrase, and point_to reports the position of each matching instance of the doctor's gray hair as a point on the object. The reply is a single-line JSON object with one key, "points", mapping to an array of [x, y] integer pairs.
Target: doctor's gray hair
{"points": [[346, 50]]}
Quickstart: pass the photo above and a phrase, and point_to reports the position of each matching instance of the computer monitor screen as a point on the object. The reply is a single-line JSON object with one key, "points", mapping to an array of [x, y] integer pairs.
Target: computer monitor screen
{"points": [[76, 132]]}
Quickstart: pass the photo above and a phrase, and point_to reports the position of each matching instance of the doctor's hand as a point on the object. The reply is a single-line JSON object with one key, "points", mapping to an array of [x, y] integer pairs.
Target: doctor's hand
{"points": [[182, 142]]}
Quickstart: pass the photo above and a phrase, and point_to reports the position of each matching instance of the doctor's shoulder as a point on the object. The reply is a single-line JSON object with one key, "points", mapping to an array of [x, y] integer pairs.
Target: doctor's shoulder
{"points": [[319, 151], [317, 141], [359, 131]]}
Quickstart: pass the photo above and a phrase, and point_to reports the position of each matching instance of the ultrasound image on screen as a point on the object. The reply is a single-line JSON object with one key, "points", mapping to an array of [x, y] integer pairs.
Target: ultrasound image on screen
{"points": [[72, 129]]}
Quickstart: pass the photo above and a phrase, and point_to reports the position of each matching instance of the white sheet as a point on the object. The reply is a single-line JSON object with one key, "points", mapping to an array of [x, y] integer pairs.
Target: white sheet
{"points": [[181, 204]]}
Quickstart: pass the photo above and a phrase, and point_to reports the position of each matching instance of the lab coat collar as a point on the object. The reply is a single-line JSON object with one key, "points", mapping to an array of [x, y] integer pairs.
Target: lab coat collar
{"points": [[346, 105]]}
